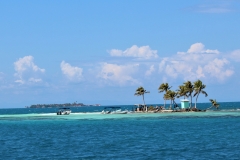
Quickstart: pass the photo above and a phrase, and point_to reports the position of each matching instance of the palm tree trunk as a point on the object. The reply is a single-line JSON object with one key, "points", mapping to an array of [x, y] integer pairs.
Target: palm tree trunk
{"points": [[191, 102], [196, 100], [209, 107], [144, 103], [170, 105], [164, 103], [174, 104], [143, 100]]}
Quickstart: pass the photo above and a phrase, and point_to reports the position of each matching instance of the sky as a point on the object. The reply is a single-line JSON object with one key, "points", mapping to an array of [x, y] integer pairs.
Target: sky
{"points": [[100, 52]]}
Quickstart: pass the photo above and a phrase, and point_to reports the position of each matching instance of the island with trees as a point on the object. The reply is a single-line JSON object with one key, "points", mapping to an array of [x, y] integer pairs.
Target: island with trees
{"points": [[186, 90], [75, 104]]}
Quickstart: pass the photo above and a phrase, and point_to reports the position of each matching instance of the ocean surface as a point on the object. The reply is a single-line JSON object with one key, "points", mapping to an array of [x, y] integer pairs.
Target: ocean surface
{"points": [[87, 134]]}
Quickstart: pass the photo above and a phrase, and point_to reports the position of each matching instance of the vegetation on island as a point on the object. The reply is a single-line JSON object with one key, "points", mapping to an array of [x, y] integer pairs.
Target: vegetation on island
{"points": [[164, 87], [75, 104], [187, 89], [140, 92], [214, 103], [198, 88], [171, 95]]}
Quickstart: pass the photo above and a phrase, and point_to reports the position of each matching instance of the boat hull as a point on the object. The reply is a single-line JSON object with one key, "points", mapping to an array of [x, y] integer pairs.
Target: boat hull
{"points": [[63, 112]]}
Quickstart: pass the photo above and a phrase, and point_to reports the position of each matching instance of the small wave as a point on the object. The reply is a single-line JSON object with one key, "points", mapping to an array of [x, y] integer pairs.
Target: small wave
{"points": [[90, 113], [224, 110], [46, 114]]}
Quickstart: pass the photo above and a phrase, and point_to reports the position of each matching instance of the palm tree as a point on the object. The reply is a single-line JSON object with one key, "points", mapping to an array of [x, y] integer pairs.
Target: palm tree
{"points": [[189, 88], [170, 95], [198, 88], [182, 92], [140, 92], [164, 87], [214, 103]]}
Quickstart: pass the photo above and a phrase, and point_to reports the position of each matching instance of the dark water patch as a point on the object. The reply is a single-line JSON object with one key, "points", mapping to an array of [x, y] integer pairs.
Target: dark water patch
{"points": [[147, 138], [11, 119]]}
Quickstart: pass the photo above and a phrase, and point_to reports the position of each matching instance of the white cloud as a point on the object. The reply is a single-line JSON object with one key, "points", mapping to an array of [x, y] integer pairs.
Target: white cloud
{"points": [[150, 71], [213, 7], [20, 81], [199, 72], [196, 63], [118, 74], [35, 80], [72, 73], [200, 48], [23, 65], [26, 63], [216, 69], [235, 55], [143, 52], [162, 64]]}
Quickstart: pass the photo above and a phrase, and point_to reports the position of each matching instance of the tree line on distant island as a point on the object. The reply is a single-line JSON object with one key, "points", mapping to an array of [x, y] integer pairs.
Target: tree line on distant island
{"points": [[187, 89], [60, 105]]}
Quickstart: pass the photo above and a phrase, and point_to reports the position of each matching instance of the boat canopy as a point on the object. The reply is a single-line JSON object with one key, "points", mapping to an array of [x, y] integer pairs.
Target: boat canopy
{"points": [[139, 105]]}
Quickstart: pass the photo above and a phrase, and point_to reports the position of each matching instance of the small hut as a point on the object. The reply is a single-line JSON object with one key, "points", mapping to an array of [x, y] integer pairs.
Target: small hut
{"points": [[184, 104]]}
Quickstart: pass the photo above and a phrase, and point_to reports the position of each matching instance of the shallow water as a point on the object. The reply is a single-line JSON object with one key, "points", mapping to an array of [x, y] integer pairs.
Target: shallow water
{"points": [[189, 135]]}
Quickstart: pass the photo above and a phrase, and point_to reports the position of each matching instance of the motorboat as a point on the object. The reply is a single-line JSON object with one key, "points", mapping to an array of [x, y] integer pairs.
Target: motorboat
{"points": [[114, 110], [119, 111], [64, 111]]}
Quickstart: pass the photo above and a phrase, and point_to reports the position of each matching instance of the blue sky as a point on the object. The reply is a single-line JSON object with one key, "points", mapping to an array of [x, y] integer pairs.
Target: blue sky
{"points": [[101, 51]]}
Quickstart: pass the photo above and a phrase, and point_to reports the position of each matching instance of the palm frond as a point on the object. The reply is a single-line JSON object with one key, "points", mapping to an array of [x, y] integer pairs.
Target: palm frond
{"points": [[164, 87], [205, 93], [211, 100], [214, 103], [195, 94]]}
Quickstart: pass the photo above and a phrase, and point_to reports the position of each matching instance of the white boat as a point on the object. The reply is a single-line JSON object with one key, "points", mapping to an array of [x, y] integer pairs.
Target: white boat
{"points": [[113, 110], [119, 111], [64, 111]]}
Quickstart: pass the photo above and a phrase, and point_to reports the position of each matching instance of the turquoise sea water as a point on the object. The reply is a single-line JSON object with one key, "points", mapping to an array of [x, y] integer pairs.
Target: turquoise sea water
{"points": [[86, 134]]}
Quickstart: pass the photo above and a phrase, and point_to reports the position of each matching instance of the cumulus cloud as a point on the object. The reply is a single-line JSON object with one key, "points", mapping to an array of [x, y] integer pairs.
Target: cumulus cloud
{"points": [[235, 55], [118, 74], [200, 48], [35, 80], [196, 63], [216, 69], [150, 71], [144, 52], [26, 65], [72, 73]]}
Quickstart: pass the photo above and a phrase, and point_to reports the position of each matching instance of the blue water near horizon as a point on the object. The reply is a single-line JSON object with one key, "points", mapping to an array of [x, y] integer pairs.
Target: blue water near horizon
{"points": [[86, 134]]}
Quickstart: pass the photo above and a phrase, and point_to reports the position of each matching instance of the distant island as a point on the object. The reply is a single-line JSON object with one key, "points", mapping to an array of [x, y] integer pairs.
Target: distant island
{"points": [[60, 105]]}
